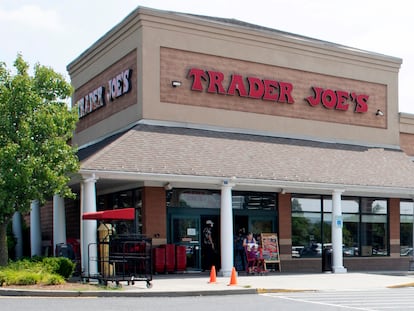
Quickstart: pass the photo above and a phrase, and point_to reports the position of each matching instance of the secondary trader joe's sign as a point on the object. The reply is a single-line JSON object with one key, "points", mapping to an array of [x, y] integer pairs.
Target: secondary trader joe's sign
{"points": [[116, 86]]}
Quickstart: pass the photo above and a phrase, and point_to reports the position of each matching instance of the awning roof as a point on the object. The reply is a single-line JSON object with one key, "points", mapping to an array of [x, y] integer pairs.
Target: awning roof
{"points": [[172, 153], [108, 215]]}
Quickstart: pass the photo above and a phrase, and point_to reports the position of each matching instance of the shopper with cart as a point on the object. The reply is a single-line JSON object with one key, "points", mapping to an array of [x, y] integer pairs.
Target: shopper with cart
{"points": [[251, 249]]}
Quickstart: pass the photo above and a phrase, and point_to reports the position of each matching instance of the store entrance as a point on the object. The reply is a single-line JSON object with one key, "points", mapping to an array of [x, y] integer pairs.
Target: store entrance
{"points": [[185, 230]]}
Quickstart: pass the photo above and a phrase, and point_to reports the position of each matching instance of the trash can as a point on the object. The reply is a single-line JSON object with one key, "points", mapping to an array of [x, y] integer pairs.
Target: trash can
{"points": [[327, 260], [159, 259], [169, 257], [180, 258], [65, 250]]}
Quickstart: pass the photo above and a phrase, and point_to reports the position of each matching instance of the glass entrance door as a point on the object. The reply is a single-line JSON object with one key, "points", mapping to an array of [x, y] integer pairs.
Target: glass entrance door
{"points": [[186, 231]]}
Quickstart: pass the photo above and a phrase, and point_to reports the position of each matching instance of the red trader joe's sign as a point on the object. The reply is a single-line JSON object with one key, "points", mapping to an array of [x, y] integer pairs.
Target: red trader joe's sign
{"points": [[272, 90]]}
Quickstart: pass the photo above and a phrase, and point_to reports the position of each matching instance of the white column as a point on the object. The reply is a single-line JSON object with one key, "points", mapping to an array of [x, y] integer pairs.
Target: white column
{"points": [[18, 234], [89, 227], [226, 229], [59, 221], [35, 231], [337, 223]]}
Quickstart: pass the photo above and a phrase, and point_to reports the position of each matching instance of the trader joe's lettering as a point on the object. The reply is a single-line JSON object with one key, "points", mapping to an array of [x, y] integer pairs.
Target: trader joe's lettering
{"points": [[117, 86], [254, 88], [212, 81], [338, 99]]}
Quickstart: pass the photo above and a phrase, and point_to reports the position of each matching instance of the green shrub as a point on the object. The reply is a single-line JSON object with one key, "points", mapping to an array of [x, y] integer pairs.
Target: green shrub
{"points": [[50, 264], [59, 265], [44, 270], [19, 277], [2, 278], [52, 279]]}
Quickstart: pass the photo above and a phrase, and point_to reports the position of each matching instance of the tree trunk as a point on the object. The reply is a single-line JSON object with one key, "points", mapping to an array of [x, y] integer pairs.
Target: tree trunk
{"points": [[4, 253]]}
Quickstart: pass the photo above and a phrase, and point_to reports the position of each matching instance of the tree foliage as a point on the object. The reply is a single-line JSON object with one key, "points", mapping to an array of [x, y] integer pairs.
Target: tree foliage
{"points": [[36, 159]]}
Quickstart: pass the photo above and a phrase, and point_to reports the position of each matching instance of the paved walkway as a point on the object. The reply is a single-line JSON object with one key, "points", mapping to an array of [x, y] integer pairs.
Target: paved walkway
{"points": [[199, 284]]}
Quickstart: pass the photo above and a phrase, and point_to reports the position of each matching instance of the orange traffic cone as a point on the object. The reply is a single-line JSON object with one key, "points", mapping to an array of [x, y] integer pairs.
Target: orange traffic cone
{"points": [[213, 275], [233, 278]]}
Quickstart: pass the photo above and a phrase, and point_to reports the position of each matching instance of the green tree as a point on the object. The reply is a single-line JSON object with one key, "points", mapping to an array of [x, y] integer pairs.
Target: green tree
{"points": [[36, 126]]}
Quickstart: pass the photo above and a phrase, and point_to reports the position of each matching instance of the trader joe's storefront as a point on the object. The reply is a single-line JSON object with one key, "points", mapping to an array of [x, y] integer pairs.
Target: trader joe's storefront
{"points": [[190, 209]]}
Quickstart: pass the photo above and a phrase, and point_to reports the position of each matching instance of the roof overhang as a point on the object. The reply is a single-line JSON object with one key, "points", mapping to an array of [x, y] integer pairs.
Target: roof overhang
{"points": [[248, 184], [190, 158]]}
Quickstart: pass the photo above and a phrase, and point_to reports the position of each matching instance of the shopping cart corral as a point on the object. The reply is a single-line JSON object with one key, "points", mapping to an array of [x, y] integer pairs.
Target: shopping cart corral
{"points": [[124, 257], [129, 259]]}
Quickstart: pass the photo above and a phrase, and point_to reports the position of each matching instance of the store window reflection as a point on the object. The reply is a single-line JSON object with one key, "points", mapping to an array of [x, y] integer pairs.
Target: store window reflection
{"points": [[306, 226], [365, 226], [374, 227], [351, 229], [406, 228]]}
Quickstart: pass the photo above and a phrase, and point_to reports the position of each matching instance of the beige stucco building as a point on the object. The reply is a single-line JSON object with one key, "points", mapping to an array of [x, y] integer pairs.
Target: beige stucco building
{"points": [[191, 118]]}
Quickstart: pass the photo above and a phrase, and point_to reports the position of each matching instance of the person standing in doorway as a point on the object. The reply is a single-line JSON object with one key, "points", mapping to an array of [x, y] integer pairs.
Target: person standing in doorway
{"points": [[208, 246], [240, 261]]}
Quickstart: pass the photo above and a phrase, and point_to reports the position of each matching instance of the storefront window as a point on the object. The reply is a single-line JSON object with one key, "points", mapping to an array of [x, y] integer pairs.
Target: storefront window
{"points": [[350, 229], [365, 226], [193, 198], [406, 228], [306, 226], [254, 200], [374, 227], [123, 199]]}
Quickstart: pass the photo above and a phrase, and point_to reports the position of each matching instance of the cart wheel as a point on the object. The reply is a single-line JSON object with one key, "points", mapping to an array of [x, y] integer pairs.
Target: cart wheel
{"points": [[117, 283], [132, 283], [149, 285]]}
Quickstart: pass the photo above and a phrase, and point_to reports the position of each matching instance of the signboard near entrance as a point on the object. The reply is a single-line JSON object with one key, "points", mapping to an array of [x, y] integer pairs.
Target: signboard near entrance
{"points": [[270, 249]]}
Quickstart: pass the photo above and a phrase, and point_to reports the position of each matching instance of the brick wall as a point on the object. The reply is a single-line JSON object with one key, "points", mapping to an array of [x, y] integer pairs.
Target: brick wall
{"points": [[285, 224], [175, 65], [407, 143], [72, 211], [351, 264], [394, 209], [154, 212], [46, 220], [120, 103]]}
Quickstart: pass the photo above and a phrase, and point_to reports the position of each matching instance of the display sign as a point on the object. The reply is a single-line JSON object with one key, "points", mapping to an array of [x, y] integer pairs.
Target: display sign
{"points": [[270, 249], [338, 222]]}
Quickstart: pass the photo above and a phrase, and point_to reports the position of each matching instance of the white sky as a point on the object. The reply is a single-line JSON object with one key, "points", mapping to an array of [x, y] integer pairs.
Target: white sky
{"points": [[55, 32]]}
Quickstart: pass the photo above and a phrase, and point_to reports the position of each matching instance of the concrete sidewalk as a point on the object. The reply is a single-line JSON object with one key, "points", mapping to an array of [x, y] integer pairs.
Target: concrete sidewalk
{"points": [[279, 282], [199, 285]]}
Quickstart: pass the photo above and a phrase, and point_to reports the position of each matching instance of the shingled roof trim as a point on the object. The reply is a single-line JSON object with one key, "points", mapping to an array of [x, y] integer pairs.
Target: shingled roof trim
{"points": [[179, 151]]}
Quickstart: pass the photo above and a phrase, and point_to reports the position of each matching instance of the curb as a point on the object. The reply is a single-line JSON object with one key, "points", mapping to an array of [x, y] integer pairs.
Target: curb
{"points": [[63, 294]]}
